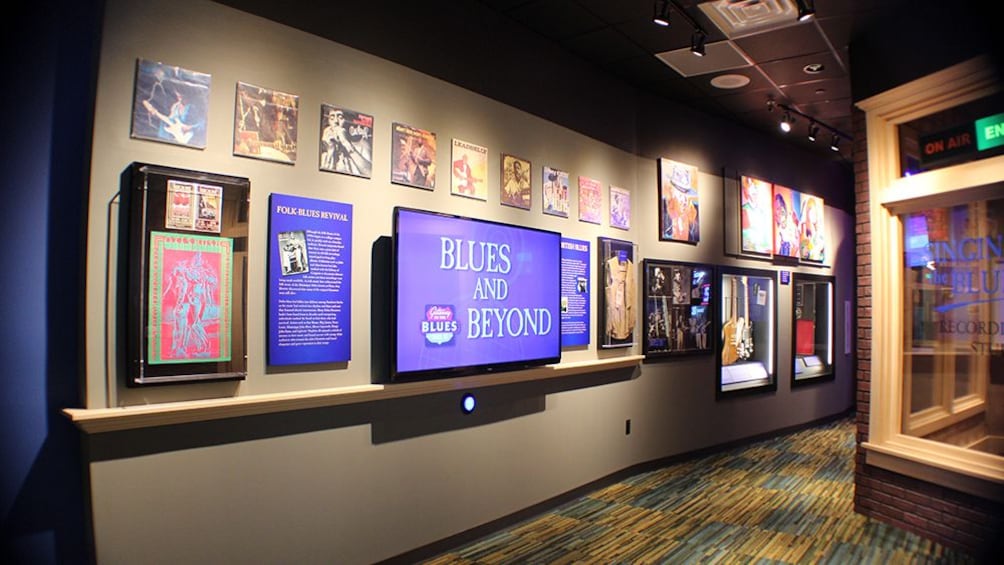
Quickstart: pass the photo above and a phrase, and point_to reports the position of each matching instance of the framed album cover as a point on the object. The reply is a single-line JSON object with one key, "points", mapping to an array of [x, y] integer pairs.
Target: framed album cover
{"points": [[785, 206], [679, 202], [516, 191], [555, 192], [679, 300], [170, 104], [620, 208], [617, 303], [469, 171], [183, 259], [755, 221], [590, 200], [346, 141], [265, 123], [746, 361], [413, 156]]}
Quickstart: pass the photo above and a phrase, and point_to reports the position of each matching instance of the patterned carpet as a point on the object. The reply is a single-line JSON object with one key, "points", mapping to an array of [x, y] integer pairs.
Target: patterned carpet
{"points": [[783, 500]]}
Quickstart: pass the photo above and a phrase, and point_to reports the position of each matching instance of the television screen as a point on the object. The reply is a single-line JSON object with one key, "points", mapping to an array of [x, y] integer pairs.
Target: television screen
{"points": [[472, 296]]}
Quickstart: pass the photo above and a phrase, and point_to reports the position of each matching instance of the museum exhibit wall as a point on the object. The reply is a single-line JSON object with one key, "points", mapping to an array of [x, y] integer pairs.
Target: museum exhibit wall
{"points": [[369, 481]]}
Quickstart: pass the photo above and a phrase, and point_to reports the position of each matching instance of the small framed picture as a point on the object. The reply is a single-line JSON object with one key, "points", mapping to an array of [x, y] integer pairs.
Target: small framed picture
{"points": [[590, 200], [469, 171], [620, 208], [170, 104], [346, 141], [555, 192], [413, 157], [516, 190], [265, 123]]}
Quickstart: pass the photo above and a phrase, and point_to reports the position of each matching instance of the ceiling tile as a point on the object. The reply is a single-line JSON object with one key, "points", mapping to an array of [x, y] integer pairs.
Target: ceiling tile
{"points": [[557, 19], [602, 45], [619, 11], [791, 71], [748, 100], [719, 57], [654, 38], [758, 82], [784, 43], [818, 91]]}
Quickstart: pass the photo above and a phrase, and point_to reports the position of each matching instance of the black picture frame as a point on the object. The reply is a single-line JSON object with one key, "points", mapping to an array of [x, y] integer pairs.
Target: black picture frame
{"points": [[746, 362], [812, 322], [679, 306], [182, 300], [617, 304]]}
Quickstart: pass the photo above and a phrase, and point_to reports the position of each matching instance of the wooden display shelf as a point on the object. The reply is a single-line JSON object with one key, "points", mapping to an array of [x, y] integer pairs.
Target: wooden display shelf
{"points": [[100, 420]]}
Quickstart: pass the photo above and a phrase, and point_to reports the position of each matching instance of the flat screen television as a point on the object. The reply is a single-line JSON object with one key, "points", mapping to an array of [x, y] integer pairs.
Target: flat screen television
{"points": [[472, 296]]}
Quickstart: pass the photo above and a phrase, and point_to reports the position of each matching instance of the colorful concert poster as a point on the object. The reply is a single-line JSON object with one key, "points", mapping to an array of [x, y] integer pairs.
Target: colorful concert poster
{"points": [[679, 217], [812, 238], [170, 104], [413, 157], [620, 208], [785, 222], [516, 190], [755, 215], [190, 298], [470, 170], [265, 123], [590, 200], [346, 141], [555, 192]]}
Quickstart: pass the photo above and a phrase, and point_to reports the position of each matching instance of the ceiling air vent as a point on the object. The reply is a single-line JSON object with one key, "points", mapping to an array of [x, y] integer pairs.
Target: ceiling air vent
{"points": [[739, 18]]}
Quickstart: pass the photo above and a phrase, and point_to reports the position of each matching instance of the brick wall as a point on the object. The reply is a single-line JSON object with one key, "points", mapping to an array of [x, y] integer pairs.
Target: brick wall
{"points": [[949, 517]]}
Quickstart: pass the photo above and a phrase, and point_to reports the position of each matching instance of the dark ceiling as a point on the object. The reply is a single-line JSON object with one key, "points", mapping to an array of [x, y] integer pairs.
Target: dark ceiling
{"points": [[618, 38]]}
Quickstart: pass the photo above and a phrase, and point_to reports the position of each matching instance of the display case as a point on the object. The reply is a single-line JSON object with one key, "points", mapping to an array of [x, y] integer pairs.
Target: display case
{"points": [[812, 328], [746, 360], [617, 304], [678, 308], [183, 288]]}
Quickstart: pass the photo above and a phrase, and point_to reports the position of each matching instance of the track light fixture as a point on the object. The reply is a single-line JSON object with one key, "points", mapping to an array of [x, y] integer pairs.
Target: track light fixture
{"points": [[813, 131], [806, 9], [786, 121], [697, 41], [661, 12], [835, 143], [815, 126]]}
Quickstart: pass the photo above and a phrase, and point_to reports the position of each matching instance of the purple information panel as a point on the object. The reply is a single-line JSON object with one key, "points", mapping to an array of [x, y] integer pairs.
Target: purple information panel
{"points": [[473, 295], [309, 280], [574, 292]]}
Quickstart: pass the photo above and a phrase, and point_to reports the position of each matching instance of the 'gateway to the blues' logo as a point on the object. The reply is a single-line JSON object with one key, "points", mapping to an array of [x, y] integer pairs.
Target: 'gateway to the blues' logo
{"points": [[440, 325]]}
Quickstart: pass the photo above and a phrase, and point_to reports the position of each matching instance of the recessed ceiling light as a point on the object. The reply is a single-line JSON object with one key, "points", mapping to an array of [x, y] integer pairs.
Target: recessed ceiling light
{"points": [[730, 81], [820, 91], [814, 68]]}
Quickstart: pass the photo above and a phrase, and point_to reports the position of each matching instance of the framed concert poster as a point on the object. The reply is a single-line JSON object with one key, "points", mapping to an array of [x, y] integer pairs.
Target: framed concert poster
{"points": [[811, 234], [678, 302], [413, 156], [590, 200], [755, 209], [812, 328], [748, 346], [182, 299], [470, 170], [785, 206], [620, 208], [679, 202], [555, 192], [617, 304], [516, 191], [346, 143], [170, 104], [265, 123]]}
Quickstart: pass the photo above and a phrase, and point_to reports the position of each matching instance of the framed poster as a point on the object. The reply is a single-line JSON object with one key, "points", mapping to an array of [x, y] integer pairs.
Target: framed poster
{"points": [[679, 202], [265, 123], [678, 308], [184, 262], [811, 235], [590, 200], [346, 143], [470, 170], [748, 314], [617, 304], [516, 190], [309, 281], [755, 222], [812, 322], [170, 104], [413, 156], [785, 222], [575, 292], [620, 208], [555, 192]]}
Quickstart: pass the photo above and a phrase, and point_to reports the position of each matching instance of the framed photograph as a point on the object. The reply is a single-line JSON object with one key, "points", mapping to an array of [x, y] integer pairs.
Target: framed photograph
{"points": [[413, 156], [516, 190], [811, 234], [265, 123], [170, 104], [755, 215], [748, 314], [785, 222], [555, 192], [346, 144], [620, 208], [678, 308], [590, 200], [617, 304], [184, 263], [813, 320], [679, 202], [469, 171]]}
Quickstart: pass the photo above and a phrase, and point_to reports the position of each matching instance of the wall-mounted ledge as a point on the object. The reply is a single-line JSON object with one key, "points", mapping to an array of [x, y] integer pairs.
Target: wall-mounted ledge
{"points": [[101, 420]]}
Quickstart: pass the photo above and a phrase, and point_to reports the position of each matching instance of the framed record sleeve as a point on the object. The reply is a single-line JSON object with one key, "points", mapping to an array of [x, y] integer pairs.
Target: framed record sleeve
{"points": [[183, 283]]}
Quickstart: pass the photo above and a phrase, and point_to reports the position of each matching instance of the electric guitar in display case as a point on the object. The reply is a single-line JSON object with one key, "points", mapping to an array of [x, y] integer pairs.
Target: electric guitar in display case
{"points": [[182, 133], [744, 328], [730, 329]]}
